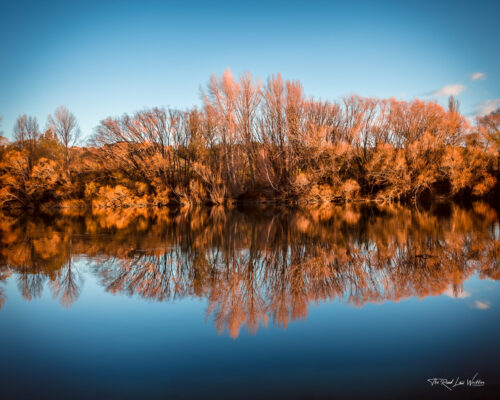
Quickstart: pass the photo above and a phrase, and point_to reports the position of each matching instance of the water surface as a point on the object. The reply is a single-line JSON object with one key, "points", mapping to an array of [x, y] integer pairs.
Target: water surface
{"points": [[257, 303]]}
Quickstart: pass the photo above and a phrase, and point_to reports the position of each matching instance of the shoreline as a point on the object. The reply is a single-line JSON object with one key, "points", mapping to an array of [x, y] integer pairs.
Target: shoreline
{"points": [[80, 204]]}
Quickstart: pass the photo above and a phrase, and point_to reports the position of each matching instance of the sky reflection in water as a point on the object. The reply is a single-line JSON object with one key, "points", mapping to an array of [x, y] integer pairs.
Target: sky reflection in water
{"points": [[194, 303]]}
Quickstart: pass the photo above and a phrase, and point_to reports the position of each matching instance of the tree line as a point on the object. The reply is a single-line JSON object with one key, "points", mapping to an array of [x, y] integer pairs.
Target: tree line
{"points": [[254, 141]]}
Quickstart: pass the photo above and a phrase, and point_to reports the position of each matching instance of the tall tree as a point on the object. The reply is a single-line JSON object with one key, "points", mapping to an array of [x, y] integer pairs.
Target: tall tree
{"points": [[27, 133], [63, 123], [3, 140], [246, 111]]}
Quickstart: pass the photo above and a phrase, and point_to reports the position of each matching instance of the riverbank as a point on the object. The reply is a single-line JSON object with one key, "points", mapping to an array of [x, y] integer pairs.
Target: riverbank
{"points": [[127, 202]]}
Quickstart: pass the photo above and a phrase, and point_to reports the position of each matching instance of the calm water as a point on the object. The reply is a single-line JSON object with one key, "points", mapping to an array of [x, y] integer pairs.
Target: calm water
{"points": [[261, 303]]}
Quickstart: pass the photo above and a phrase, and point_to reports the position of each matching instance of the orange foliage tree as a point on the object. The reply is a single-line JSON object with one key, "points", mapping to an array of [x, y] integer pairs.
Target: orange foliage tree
{"points": [[254, 141]]}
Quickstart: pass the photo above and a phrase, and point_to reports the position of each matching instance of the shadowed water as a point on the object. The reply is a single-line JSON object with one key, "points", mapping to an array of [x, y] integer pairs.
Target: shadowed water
{"points": [[319, 302]]}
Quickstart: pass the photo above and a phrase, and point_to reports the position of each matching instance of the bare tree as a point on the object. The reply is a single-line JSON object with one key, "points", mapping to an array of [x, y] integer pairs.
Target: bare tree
{"points": [[65, 126], [3, 140], [246, 111], [27, 133], [221, 102], [453, 104], [26, 128]]}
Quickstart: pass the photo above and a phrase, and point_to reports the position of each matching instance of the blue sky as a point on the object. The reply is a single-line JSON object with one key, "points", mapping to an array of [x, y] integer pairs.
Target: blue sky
{"points": [[105, 58]]}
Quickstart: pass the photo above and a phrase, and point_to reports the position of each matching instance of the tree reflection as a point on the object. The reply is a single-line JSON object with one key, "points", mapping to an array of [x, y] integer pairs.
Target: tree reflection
{"points": [[66, 284], [5, 273], [257, 264]]}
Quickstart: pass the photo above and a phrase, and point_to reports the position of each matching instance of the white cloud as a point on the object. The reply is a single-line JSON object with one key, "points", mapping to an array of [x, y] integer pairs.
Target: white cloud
{"points": [[482, 305], [478, 75], [450, 90], [488, 107]]}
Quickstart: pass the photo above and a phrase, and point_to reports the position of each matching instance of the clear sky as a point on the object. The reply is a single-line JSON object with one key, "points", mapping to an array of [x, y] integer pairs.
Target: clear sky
{"points": [[104, 58]]}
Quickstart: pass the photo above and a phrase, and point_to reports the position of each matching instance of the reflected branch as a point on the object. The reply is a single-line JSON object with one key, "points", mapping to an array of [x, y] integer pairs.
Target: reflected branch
{"points": [[258, 264]]}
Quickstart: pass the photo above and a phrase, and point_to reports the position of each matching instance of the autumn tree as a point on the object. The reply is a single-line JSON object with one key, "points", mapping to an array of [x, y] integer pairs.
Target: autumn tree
{"points": [[247, 105], [26, 134], [256, 141], [220, 100], [14, 177], [63, 123], [3, 140], [281, 131], [489, 127]]}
